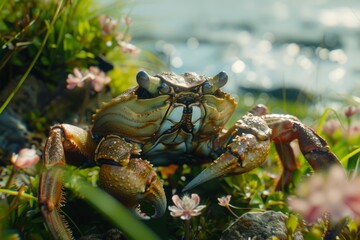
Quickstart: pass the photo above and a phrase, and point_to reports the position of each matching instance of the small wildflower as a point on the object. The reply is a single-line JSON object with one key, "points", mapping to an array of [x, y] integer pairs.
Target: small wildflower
{"points": [[25, 158], [186, 207], [127, 21], [108, 25], [128, 47], [330, 127], [98, 78], [75, 80], [225, 202], [329, 194], [353, 130], [351, 111]]}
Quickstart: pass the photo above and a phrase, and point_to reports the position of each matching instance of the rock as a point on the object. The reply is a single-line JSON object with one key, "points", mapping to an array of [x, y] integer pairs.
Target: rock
{"points": [[13, 133], [258, 226], [112, 234]]}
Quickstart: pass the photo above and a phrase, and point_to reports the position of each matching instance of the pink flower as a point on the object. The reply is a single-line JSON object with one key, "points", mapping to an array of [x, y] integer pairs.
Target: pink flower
{"points": [[25, 158], [128, 47], [98, 78], [127, 21], [351, 111], [330, 127], [108, 25], [354, 130], [224, 201], [332, 194], [75, 80], [186, 207]]}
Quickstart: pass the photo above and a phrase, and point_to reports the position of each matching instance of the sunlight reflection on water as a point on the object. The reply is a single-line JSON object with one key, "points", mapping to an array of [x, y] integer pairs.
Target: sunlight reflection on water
{"points": [[312, 45]]}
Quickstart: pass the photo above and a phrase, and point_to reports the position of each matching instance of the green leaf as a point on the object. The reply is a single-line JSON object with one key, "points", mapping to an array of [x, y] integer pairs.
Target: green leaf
{"points": [[70, 43], [291, 224], [353, 227], [83, 27], [85, 55], [256, 200], [345, 159]]}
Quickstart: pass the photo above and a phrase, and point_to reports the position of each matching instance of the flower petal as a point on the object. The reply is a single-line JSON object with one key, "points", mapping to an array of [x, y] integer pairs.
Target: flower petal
{"points": [[177, 201], [25, 158], [199, 208], [196, 199]]}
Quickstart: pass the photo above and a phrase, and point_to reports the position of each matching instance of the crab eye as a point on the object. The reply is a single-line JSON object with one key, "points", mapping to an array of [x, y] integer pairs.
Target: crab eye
{"points": [[148, 82], [214, 83], [164, 88], [207, 87]]}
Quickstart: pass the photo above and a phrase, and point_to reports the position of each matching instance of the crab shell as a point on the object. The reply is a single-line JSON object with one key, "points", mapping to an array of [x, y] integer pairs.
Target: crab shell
{"points": [[146, 116]]}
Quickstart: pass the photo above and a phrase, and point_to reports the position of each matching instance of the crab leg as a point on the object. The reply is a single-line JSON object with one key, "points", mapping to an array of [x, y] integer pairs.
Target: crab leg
{"points": [[286, 128], [62, 138], [315, 149], [287, 158]]}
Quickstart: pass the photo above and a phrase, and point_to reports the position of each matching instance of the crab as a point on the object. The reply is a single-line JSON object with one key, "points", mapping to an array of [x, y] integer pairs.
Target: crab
{"points": [[169, 118]]}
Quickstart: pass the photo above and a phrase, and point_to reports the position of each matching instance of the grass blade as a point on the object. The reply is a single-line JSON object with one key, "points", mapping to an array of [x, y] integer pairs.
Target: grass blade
{"points": [[115, 212]]}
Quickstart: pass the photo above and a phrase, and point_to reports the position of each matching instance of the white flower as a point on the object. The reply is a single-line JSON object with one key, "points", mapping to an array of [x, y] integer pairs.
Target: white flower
{"points": [[186, 207]]}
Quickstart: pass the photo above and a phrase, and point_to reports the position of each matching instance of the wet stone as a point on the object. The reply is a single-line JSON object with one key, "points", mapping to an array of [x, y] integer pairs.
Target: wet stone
{"points": [[111, 234], [259, 226]]}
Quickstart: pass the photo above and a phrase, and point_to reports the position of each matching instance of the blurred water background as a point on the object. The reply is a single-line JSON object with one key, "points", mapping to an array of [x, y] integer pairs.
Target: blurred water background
{"points": [[310, 45]]}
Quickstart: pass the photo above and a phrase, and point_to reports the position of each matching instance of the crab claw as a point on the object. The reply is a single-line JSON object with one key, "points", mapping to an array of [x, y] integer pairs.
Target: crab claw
{"points": [[221, 167], [248, 147], [133, 185], [245, 153]]}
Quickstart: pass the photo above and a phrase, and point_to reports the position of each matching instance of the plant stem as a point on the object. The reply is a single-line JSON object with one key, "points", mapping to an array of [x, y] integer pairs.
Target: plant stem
{"points": [[186, 229], [335, 229], [85, 101], [16, 193], [232, 212], [11, 177]]}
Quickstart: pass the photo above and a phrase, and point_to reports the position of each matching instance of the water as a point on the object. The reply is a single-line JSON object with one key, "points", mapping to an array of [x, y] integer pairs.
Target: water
{"points": [[312, 45]]}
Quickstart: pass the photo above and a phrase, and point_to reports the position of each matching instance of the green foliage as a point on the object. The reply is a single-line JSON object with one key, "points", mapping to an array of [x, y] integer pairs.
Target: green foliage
{"points": [[292, 224], [19, 216], [74, 40], [57, 36]]}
